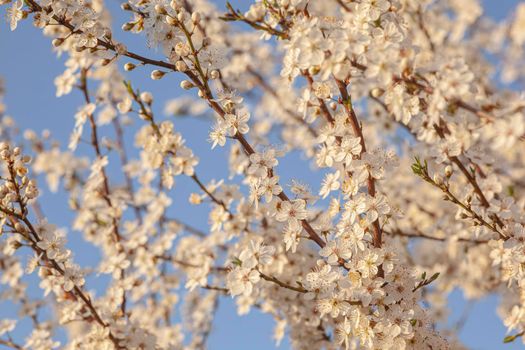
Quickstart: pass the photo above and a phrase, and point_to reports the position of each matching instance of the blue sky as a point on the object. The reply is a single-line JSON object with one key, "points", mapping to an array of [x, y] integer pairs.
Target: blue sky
{"points": [[29, 67]]}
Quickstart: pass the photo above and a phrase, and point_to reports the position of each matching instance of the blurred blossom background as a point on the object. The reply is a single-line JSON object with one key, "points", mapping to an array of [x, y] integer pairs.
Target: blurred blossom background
{"points": [[28, 67]]}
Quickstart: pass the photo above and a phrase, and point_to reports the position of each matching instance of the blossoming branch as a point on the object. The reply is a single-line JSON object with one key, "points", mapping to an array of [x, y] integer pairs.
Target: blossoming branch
{"points": [[393, 103]]}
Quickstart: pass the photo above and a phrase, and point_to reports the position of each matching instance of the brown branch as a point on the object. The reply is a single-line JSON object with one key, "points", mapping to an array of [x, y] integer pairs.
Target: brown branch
{"points": [[52, 263], [203, 86], [343, 5], [324, 110], [174, 260], [210, 194], [10, 343], [35, 7], [358, 131], [470, 178], [105, 182], [233, 15], [96, 145], [124, 161], [398, 232], [272, 279], [422, 171], [248, 149], [219, 289], [455, 160]]}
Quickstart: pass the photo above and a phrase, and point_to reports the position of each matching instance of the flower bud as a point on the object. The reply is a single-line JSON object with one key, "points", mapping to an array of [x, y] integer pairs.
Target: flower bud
{"points": [[448, 171], [174, 4], [195, 199], [11, 186], [195, 17], [19, 227], [157, 74], [58, 41], [5, 154], [128, 26], [144, 116], [313, 70], [186, 84], [171, 21], [377, 92], [214, 74], [128, 67], [10, 197], [181, 66], [182, 49], [147, 97], [160, 10], [21, 170]]}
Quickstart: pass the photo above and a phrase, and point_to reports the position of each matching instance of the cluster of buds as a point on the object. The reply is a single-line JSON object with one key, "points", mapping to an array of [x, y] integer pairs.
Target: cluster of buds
{"points": [[17, 186]]}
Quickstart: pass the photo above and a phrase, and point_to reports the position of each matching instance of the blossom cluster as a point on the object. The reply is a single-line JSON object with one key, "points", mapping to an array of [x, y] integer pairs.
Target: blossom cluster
{"points": [[417, 149]]}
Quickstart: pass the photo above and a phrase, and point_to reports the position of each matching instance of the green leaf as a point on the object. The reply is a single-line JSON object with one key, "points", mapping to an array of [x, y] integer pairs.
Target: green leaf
{"points": [[433, 277], [237, 261], [509, 338], [416, 167], [228, 18], [127, 84]]}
